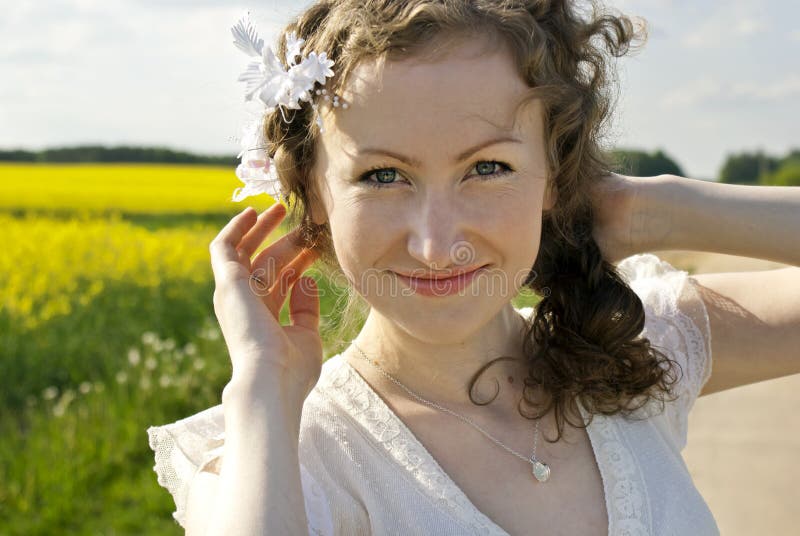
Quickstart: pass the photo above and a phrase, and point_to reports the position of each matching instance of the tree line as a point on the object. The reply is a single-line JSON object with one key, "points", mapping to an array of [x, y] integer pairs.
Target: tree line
{"points": [[754, 167], [118, 154]]}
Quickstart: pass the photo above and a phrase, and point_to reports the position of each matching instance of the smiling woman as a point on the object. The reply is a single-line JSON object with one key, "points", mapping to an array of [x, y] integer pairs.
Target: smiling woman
{"points": [[466, 160]]}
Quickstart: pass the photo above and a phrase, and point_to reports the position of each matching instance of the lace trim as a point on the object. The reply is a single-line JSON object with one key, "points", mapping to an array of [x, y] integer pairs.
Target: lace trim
{"points": [[186, 447], [162, 444], [627, 501], [676, 321]]}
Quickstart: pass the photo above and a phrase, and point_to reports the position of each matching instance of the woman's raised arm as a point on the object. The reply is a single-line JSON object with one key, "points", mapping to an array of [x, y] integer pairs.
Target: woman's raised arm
{"points": [[754, 316], [673, 212]]}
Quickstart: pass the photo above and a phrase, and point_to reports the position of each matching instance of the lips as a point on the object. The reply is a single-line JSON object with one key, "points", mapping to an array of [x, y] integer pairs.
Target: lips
{"points": [[443, 276], [442, 286]]}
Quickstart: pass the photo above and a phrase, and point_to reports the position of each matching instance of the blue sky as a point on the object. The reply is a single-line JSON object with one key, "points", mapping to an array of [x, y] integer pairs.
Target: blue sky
{"points": [[715, 76]]}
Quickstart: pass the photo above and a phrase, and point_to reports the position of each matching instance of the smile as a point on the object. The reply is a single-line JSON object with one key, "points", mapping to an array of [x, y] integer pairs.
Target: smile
{"points": [[442, 286]]}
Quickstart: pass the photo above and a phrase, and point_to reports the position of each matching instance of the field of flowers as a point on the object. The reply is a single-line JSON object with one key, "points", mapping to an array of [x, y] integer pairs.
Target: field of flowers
{"points": [[106, 328], [129, 188]]}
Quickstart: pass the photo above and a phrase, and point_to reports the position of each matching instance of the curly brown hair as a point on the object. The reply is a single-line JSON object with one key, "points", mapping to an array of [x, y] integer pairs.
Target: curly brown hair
{"points": [[582, 342]]}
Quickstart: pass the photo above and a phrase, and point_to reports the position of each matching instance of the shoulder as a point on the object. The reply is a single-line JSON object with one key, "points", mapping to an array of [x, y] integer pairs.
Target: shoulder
{"points": [[675, 315], [677, 323]]}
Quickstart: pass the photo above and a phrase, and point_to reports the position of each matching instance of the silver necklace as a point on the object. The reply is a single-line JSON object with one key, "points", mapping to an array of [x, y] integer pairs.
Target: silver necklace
{"points": [[540, 469]]}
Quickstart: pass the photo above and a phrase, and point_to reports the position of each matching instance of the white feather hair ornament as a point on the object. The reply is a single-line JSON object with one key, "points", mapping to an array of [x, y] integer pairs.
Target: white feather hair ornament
{"points": [[277, 87]]}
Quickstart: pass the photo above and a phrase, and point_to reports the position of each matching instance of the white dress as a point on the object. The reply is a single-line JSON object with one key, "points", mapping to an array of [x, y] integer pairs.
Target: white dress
{"points": [[364, 472]]}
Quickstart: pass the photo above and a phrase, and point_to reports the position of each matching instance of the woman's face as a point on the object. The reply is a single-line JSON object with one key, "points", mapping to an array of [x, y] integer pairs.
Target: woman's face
{"points": [[422, 174]]}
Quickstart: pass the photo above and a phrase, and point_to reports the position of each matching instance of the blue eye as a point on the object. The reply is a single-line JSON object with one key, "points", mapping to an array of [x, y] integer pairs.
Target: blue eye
{"points": [[385, 176]]}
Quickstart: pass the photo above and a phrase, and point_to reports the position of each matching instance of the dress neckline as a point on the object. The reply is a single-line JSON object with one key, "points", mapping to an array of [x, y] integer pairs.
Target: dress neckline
{"points": [[627, 507]]}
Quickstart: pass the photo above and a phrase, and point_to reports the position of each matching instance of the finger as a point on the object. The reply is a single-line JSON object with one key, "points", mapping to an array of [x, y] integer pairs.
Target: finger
{"points": [[273, 259], [223, 246], [265, 224], [293, 271], [287, 278], [304, 304]]}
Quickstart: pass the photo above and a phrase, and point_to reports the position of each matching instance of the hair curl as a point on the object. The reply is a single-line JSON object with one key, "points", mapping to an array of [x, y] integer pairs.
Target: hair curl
{"points": [[582, 342]]}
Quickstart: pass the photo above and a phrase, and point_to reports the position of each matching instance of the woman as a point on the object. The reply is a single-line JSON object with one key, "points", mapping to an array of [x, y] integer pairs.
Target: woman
{"points": [[459, 162]]}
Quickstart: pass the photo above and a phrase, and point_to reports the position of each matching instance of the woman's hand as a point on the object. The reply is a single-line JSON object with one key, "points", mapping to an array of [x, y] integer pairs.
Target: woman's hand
{"points": [[618, 217], [248, 298]]}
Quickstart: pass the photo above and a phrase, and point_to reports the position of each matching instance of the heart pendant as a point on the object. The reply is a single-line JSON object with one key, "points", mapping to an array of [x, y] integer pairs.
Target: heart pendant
{"points": [[541, 471]]}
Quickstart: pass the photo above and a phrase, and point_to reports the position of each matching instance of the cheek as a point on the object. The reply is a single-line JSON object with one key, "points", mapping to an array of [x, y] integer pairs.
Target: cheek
{"points": [[358, 235], [514, 212], [522, 229]]}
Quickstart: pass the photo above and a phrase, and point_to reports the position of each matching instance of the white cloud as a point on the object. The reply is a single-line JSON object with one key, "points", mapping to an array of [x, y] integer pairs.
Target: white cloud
{"points": [[726, 23], [717, 33], [692, 93], [750, 26], [781, 89], [704, 89]]}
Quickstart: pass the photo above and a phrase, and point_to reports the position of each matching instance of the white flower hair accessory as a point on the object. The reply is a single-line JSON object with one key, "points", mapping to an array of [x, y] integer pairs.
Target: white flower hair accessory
{"points": [[276, 87]]}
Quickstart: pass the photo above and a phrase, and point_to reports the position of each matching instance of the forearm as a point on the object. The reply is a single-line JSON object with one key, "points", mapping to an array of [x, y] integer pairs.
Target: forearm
{"points": [[259, 489], [751, 221]]}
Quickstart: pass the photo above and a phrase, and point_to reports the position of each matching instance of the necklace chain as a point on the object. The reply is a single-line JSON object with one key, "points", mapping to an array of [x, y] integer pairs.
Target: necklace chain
{"points": [[469, 421]]}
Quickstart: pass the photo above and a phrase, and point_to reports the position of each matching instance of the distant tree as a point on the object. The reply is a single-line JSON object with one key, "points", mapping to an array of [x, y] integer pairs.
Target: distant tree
{"points": [[119, 154], [643, 164], [17, 155], [747, 168], [788, 174]]}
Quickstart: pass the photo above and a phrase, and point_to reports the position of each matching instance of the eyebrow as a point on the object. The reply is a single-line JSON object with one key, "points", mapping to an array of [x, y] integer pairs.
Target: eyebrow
{"points": [[413, 162]]}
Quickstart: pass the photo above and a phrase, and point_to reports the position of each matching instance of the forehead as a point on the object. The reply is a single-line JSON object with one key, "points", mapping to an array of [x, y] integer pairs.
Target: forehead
{"points": [[470, 90]]}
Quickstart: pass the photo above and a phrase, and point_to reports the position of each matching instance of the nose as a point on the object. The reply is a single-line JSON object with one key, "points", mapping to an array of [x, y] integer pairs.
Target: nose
{"points": [[436, 230]]}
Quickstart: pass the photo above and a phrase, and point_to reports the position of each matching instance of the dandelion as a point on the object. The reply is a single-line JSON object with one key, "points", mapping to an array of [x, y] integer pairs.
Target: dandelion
{"points": [[50, 393], [148, 337], [178, 355], [150, 363], [63, 403], [169, 344], [190, 348], [145, 383], [210, 333], [122, 377], [164, 381], [134, 357], [85, 387], [199, 364]]}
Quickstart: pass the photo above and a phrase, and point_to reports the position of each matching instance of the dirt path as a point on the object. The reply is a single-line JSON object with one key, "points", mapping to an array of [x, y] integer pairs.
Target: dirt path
{"points": [[701, 262], [744, 443]]}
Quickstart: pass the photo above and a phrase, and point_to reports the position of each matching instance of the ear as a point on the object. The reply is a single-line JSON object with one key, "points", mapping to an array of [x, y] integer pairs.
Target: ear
{"points": [[550, 197], [316, 209]]}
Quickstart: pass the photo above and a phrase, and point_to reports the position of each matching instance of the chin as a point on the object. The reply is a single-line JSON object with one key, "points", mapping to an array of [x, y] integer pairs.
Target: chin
{"points": [[439, 322]]}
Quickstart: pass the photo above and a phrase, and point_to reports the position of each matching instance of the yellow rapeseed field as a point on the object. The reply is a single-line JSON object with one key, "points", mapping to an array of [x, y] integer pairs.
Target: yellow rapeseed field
{"points": [[134, 188], [46, 261]]}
